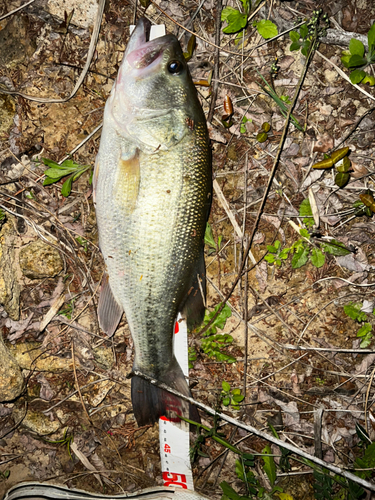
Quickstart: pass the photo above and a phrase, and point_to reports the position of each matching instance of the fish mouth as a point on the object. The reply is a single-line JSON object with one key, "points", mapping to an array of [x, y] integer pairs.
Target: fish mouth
{"points": [[142, 52]]}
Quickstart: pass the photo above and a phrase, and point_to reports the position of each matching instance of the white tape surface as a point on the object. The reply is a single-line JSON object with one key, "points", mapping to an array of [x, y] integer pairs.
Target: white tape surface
{"points": [[174, 437]]}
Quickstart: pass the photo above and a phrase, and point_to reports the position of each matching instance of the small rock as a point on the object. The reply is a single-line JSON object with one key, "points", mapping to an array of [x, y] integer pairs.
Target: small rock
{"points": [[11, 380], [331, 76], [36, 422], [31, 356], [7, 112], [9, 286], [104, 356], [40, 260]]}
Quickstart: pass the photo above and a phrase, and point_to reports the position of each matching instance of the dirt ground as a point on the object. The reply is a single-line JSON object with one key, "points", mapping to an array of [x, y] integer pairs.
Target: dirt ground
{"points": [[303, 351]]}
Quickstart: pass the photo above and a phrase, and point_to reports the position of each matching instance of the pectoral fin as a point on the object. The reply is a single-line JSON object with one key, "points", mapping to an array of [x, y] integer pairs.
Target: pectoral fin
{"points": [[109, 310], [126, 187], [193, 307]]}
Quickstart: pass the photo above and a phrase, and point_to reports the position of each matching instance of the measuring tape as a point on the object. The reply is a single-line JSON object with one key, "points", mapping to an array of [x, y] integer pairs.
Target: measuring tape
{"points": [[174, 436]]}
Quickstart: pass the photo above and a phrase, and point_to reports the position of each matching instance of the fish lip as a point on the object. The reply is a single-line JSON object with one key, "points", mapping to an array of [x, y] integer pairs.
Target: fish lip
{"points": [[142, 52]]}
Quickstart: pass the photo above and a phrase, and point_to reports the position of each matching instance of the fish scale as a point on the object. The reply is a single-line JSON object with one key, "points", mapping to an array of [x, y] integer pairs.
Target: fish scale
{"points": [[152, 185]]}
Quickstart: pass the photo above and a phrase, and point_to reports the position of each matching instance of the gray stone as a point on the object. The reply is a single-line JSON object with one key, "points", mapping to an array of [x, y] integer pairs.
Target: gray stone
{"points": [[40, 260]]}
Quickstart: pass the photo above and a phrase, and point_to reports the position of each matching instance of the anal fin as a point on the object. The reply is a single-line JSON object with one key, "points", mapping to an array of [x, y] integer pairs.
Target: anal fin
{"points": [[109, 310]]}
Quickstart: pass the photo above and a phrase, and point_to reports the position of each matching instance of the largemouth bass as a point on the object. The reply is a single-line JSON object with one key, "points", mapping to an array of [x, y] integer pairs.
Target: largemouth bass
{"points": [[152, 193]]}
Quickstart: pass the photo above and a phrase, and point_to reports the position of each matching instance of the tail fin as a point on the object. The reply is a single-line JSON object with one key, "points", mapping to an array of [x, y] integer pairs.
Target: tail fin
{"points": [[150, 402]]}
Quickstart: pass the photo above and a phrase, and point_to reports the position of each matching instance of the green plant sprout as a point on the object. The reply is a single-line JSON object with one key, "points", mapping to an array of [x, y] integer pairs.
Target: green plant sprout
{"points": [[3, 217], [67, 311], [213, 343], [281, 104], [243, 127], [56, 172], [355, 58], [353, 310], [267, 29], [276, 254], [231, 397], [4, 475], [83, 242], [210, 240], [67, 440], [237, 22], [308, 32], [304, 249]]}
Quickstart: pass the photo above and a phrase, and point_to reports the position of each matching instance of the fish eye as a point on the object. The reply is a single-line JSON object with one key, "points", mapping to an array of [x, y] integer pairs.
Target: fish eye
{"points": [[175, 67]]}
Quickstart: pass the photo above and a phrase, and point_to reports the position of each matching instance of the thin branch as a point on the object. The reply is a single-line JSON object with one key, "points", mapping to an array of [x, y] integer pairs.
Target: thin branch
{"points": [[16, 10], [215, 86]]}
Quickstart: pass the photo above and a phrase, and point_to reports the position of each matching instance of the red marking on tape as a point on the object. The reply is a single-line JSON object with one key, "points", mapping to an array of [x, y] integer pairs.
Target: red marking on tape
{"points": [[173, 479], [176, 327], [167, 448]]}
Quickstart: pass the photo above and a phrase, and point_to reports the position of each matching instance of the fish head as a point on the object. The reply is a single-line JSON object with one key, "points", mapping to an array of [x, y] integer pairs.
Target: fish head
{"points": [[154, 98]]}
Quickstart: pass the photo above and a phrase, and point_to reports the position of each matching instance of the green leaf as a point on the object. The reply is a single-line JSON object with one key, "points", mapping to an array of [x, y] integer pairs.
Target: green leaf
{"points": [[366, 462], [305, 47], [267, 29], [50, 163], [366, 341], [342, 178], [300, 257], [356, 47], [285, 99], [225, 386], [335, 248], [246, 4], [353, 310], [58, 173], [305, 208], [67, 187], [209, 237], [356, 61], [295, 46], [229, 491], [238, 398], [369, 79], [357, 76], [226, 12], [190, 48], [269, 465], [364, 330], [317, 257], [371, 39], [236, 21], [294, 36], [284, 253], [304, 31], [48, 180], [271, 248], [270, 258], [226, 401], [345, 60], [304, 232], [220, 320]]}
